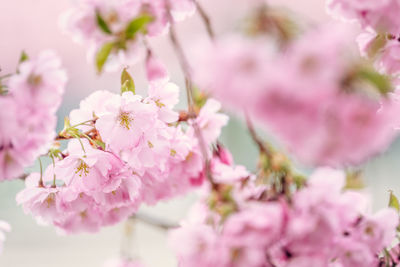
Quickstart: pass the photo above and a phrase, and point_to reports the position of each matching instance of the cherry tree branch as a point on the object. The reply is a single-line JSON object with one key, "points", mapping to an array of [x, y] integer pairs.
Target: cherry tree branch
{"points": [[206, 19], [154, 221], [185, 66]]}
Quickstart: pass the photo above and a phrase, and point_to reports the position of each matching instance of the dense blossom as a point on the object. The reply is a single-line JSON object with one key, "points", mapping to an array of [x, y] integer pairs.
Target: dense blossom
{"points": [[145, 157], [100, 22], [28, 118], [90, 188], [321, 226], [302, 110], [4, 227]]}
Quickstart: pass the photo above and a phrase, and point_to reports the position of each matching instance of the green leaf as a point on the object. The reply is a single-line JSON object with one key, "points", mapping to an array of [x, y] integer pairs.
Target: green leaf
{"points": [[137, 24], [100, 143], [102, 23], [102, 55], [376, 45], [379, 81], [394, 202], [127, 83], [23, 57]]}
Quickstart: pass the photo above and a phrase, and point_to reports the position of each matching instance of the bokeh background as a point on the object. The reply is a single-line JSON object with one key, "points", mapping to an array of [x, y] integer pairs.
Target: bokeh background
{"points": [[32, 25]]}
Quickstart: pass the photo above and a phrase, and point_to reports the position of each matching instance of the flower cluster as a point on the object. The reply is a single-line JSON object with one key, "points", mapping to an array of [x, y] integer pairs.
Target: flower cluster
{"points": [[28, 120], [125, 150], [303, 110], [319, 226], [381, 24], [114, 29]]}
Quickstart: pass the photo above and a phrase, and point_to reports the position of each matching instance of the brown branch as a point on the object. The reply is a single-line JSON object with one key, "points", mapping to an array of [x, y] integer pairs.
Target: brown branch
{"points": [[261, 146], [153, 221], [185, 66], [206, 19]]}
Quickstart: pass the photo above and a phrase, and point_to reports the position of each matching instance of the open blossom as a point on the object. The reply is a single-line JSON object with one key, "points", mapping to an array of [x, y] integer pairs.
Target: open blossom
{"points": [[128, 120], [210, 122], [320, 226], [28, 119], [4, 227]]}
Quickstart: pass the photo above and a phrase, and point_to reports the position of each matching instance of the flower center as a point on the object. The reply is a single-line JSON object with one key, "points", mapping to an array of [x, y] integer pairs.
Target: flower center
{"points": [[82, 169], [125, 119]]}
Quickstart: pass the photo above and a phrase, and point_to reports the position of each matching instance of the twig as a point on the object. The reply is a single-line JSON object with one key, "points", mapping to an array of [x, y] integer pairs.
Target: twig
{"points": [[206, 19], [185, 66], [153, 221], [261, 146]]}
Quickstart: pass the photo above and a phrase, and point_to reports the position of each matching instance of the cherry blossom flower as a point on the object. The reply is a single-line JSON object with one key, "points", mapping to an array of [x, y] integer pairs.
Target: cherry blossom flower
{"points": [[35, 92]]}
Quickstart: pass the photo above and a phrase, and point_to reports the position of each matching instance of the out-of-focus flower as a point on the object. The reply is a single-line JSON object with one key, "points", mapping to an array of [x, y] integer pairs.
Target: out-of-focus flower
{"points": [[28, 119], [320, 226], [113, 30], [297, 95]]}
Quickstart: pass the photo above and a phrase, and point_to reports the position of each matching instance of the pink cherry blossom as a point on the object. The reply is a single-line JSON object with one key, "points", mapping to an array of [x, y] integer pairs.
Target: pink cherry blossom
{"points": [[35, 92], [81, 22], [155, 69], [210, 121], [233, 69], [128, 119], [378, 15]]}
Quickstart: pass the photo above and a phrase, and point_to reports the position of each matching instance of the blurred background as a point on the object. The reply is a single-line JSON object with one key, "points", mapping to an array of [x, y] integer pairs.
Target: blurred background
{"points": [[33, 26]]}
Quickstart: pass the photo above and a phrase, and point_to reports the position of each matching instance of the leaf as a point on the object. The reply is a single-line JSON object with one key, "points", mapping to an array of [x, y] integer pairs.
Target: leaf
{"points": [[102, 55], [379, 81], [127, 83], [102, 23], [394, 202], [23, 57], [137, 25], [376, 45]]}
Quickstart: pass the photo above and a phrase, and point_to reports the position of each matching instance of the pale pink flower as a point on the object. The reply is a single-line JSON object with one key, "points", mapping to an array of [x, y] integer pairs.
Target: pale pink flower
{"points": [[91, 107], [127, 120], [379, 15], [233, 69], [155, 69], [28, 119], [42, 201], [198, 245], [210, 122], [165, 96], [40, 81]]}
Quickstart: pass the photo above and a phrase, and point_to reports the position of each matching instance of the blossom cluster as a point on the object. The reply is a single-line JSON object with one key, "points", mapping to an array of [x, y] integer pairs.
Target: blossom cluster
{"points": [[381, 24], [28, 117], [114, 30], [315, 95], [320, 225], [125, 150]]}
